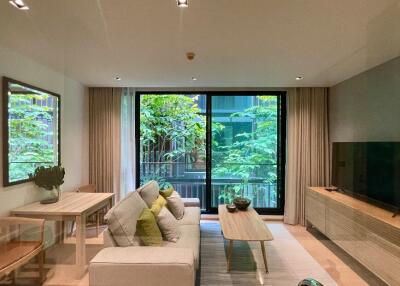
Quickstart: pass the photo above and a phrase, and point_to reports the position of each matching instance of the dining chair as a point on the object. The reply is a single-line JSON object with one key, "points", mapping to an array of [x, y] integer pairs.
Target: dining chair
{"points": [[16, 251], [90, 188]]}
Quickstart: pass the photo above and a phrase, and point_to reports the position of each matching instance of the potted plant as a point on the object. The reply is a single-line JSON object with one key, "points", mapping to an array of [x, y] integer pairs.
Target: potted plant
{"points": [[49, 179]]}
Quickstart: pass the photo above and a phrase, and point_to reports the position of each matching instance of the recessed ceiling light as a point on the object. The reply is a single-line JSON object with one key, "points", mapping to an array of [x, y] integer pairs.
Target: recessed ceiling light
{"points": [[299, 78], [183, 3], [19, 4], [118, 78], [194, 78], [190, 56]]}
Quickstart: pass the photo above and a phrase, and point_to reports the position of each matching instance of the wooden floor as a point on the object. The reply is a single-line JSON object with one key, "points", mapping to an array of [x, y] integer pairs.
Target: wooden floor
{"points": [[294, 254], [341, 267]]}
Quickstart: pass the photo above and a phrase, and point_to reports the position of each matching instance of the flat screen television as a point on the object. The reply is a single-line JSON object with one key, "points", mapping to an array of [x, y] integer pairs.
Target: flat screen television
{"points": [[368, 171]]}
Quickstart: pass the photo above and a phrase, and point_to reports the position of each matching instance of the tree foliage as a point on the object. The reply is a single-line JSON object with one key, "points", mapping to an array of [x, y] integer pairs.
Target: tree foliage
{"points": [[252, 155], [31, 141], [171, 119]]}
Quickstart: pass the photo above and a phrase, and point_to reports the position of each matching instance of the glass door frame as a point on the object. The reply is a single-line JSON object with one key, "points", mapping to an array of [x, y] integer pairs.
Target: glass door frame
{"points": [[281, 164]]}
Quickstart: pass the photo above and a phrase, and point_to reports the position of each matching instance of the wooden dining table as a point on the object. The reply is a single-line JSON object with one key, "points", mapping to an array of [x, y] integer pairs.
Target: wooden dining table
{"points": [[72, 206]]}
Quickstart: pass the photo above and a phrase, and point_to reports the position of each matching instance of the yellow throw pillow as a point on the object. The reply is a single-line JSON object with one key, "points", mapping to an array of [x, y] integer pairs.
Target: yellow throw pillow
{"points": [[147, 229], [157, 205], [167, 192]]}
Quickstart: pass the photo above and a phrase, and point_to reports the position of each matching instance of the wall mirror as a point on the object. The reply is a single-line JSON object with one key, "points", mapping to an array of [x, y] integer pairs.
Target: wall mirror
{"points": [[31, 130]]}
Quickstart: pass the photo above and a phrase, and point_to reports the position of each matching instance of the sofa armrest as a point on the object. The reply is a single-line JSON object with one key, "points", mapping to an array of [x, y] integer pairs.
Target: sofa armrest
{"points": [[191, 202], [144, 266]]}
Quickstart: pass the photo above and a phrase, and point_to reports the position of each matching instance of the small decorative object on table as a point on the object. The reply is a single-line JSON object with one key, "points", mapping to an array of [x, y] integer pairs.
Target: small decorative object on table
{"points": [[49, 179], [231, 208], [241, 203], [309, 282]]}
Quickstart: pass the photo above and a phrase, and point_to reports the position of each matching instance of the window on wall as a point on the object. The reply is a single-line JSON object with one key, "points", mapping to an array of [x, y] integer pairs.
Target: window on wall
{"points": [[214, 146], [31, 130]]}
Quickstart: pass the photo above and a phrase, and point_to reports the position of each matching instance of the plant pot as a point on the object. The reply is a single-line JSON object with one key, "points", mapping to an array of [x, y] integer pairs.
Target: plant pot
{"points": [[51, 197], [241, 203], [231, 208]]}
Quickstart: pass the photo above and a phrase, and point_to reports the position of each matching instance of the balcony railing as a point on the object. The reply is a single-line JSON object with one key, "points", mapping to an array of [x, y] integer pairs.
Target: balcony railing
{"points": [[262, 195], [192, 184]]}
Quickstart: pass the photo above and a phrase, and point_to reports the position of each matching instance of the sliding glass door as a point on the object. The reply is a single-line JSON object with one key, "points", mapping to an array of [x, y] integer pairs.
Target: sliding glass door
{"points": [[172, 137], [245, 149], [214, 146]]}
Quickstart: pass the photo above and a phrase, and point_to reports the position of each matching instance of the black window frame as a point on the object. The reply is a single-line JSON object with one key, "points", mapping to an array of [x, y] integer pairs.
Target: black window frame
{"points": [[6, 145], [281, 164]]}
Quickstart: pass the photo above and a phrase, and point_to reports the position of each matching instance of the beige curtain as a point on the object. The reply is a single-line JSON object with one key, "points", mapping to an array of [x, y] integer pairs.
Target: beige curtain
{"points": [[104, 139], [307, 148]]}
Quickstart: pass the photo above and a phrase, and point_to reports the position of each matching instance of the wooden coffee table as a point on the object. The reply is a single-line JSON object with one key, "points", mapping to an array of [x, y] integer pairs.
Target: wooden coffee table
{"points": [[244, 226]]}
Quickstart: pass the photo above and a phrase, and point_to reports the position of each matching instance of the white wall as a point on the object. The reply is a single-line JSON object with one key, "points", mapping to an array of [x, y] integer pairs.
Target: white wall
{"points": [[367, 106], [74, 126]]}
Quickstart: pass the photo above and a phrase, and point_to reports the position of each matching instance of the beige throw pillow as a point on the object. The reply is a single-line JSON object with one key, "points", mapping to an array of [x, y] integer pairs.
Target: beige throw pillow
{"points": [[122, 218], [168, 225], [176, 205], [149, 192]]}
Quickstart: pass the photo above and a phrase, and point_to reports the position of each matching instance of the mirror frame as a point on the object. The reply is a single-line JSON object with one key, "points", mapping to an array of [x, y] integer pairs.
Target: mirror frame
{"points": [[6, 83]]}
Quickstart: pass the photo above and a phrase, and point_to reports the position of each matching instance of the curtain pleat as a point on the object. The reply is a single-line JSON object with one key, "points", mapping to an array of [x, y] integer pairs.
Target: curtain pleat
{"points": [[128, 148], [104, 139], [307, 148]]}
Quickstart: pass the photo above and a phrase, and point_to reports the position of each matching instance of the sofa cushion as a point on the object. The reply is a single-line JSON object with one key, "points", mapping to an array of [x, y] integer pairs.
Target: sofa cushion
{"points": [[121, 219], [175, 205], [190, 238], [142, 266], [149, 192], [148, 230], [190, 217], [168, 225], [191, 202]]}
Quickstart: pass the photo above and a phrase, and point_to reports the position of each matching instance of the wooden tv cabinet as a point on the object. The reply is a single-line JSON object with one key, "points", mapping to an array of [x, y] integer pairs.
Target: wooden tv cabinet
{"points": [[368, 233]]}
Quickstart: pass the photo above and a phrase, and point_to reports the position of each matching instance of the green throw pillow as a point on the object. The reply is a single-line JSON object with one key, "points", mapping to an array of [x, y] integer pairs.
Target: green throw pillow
{"points": [[167, 192], [147, 229], [157, 205]]}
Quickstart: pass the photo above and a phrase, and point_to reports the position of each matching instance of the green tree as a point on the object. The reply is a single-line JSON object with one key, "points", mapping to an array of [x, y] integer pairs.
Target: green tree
{"points": [[252, 154], [171, 119], [175, 119], [29, 143]]}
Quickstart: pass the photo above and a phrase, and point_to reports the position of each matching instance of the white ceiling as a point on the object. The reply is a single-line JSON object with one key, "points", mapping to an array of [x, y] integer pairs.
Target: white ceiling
{"points": [[239, 43]]}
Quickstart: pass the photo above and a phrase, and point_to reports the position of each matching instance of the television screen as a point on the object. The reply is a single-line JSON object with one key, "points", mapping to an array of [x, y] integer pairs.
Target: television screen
{"points": [[368, 170]]}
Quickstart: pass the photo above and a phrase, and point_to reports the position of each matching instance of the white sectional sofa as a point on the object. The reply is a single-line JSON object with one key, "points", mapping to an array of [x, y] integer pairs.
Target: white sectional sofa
{"points": [[126, 262]]}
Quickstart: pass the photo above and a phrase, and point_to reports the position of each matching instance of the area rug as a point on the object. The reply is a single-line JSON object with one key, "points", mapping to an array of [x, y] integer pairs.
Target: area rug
{"points": [[288, 261]]}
